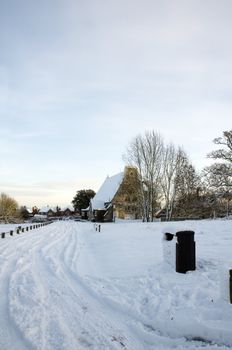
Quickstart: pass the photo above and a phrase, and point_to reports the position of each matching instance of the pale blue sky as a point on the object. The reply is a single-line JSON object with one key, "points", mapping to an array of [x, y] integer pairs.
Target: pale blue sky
{"points": [[79, 79]]}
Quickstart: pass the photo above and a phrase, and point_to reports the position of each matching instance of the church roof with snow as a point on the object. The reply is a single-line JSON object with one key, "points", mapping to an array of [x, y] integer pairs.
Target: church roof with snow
{"points": [[107, 191]]}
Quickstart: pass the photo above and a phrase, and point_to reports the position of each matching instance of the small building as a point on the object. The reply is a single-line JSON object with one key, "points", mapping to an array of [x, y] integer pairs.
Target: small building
{"points": [[26, 212], [48, 211], [85, 213], [118, 197], [67, 211]]}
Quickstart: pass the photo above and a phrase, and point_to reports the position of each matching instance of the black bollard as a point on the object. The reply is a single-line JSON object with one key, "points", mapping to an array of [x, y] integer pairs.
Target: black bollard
{"points": [[99, 228], [11, 233], [18, 231], [185, 252], [230, 272], [22, 229], [3, 234]]}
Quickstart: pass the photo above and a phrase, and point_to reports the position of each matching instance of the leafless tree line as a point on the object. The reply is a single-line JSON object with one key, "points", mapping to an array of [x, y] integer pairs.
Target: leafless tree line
{"points": [[164, 171], [169, 180], [218, 176]]}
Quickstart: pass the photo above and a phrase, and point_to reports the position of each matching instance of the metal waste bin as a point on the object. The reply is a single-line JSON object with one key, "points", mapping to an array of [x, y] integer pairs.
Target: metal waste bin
{"points": [[185, 252]]}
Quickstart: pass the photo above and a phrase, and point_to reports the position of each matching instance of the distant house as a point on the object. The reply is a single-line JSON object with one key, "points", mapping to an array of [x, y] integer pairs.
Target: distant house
{"points": [[56, 211], [26, 212], [85, 213], [48, 211], [161, 214], [118, 197], [67, 211]]}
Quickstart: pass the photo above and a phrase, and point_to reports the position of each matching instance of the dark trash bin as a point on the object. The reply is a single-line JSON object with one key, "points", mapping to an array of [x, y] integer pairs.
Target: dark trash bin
{"points": [[185, 252]]}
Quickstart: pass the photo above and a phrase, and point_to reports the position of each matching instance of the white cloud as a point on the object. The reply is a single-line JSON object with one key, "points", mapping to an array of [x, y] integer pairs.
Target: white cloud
{"points": [[77, 86]]}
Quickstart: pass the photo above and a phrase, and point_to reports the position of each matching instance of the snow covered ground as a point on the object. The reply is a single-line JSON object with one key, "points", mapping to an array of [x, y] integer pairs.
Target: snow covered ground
{"points": [[67, 286]]}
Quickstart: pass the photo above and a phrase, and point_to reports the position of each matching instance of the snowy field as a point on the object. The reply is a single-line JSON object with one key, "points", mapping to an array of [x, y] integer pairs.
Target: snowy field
{"points": [[66, 286]]}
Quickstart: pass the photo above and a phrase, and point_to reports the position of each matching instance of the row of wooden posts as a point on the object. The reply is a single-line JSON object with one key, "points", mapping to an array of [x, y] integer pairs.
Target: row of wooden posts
{"points": [[20, 229]]}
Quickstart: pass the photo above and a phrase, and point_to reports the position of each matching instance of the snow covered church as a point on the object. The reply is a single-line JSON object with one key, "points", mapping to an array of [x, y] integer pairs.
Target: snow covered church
{"points": [[118, 197]]}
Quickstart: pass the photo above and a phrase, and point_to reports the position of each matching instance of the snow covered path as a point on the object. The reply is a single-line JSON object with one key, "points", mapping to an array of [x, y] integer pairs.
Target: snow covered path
{"points": [[66, 286]]}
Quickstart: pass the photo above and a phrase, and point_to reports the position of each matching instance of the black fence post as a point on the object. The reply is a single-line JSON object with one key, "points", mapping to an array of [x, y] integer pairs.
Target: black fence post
{"points": [[185, 252], [11, 232], [3, 234], [99, 228], [230, 272], [18, 231]]}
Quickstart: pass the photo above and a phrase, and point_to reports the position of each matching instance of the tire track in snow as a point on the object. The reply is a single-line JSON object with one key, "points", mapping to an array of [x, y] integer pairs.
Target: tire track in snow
{"points": [[39, 276], [29, 290], [49, 311], [9, 332], [68, 255], [13, 253]]}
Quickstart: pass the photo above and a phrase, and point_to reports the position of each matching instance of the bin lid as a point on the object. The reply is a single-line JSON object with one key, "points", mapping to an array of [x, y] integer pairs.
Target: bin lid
{"points": [[185, 235], [168, 236]]}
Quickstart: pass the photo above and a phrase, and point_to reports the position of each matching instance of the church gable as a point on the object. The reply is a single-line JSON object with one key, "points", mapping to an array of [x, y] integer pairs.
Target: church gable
{"points": [[126, 200]]}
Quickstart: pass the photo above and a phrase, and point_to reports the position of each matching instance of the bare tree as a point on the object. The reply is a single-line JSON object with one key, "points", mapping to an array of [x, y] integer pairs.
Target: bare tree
{"points": [[219, 175], [169, 171], [187, 180], [178, 177], [225, 153], [8, 207], [146, 153]]}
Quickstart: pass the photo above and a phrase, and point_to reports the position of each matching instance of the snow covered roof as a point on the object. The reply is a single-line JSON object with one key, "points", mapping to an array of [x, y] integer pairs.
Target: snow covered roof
{"points": [[107, 191], [70, 207], [46, 209]]}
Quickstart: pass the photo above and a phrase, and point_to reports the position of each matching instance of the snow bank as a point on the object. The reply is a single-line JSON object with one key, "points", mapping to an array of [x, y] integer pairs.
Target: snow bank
{"points": [[65, 286], [169, 249]]}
